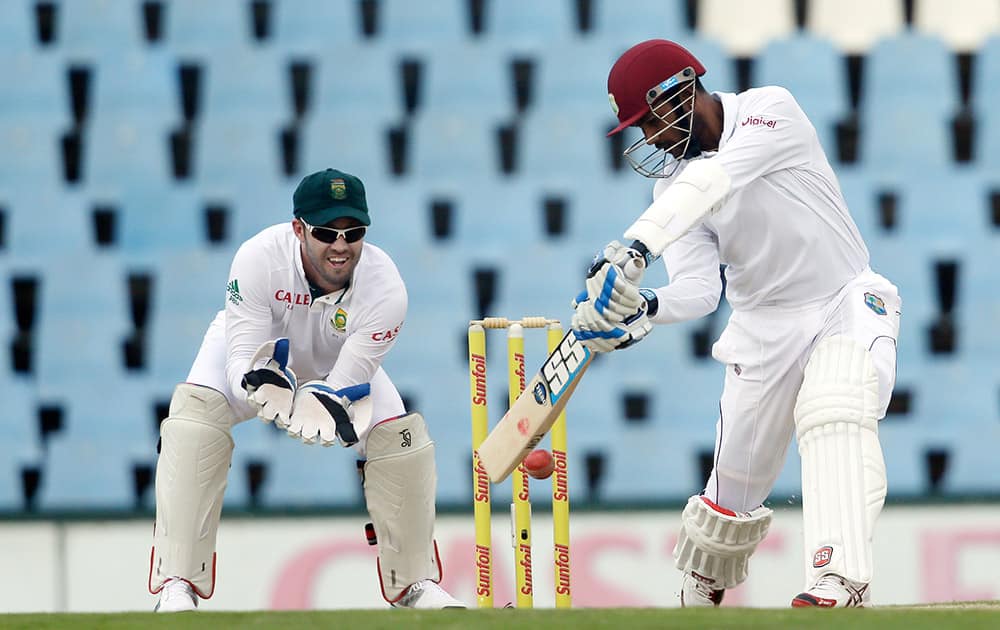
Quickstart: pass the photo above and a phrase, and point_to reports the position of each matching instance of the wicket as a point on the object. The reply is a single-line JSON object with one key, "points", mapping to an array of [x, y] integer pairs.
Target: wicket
{"points": [[521, 500]]}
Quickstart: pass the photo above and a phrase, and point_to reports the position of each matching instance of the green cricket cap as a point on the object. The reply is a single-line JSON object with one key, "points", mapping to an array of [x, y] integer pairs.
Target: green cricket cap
{"points": [[328, 195]]}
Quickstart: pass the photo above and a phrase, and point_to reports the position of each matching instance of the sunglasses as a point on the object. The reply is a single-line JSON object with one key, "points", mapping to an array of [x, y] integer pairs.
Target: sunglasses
{"points": [[330, 235]]}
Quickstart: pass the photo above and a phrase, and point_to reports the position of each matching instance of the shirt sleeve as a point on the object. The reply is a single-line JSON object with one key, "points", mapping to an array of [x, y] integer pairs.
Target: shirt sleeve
{"points": [[248, 313], [366, 347], [773, 134], [692, 263]]}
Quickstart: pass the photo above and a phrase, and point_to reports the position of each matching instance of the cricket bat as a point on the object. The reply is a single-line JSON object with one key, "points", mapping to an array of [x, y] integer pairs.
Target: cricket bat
{"points": [[535, 410]]}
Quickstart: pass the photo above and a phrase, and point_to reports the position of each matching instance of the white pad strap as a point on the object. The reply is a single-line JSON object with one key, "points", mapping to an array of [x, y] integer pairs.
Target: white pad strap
{"points": [[717, 543], [700, 189], [843, 474], [196, 448], [400, 486]]}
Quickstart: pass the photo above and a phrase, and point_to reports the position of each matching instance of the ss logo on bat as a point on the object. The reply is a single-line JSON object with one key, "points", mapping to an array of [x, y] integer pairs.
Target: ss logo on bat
{"points": [[562, 363]]}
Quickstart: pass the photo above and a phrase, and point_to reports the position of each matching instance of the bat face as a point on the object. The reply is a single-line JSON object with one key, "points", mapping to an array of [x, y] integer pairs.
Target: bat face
{"points": [[535, 410]]}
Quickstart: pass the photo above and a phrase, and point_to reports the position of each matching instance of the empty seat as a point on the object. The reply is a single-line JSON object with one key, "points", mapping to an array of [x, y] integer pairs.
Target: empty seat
{"points": [[744, 28], [555, 144], [895, 102], [19, 440], [720, 72], [126, 153], [304, 476], [528, 24], [453, 147], [372, 85], [88, 474], [985, 93], [250, 84], [812, 69], [138, 82], [360, 147], [574, 77], [67, 230], [640, 20], [99, 28], [854, 25], [17, 26], [468, 78], [406, 24], [964, 30], [308, 27], [195, 28], [230, 151]]}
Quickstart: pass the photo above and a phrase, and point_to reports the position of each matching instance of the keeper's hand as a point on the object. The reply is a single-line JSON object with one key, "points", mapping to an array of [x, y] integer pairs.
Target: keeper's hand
{"points": [[613, 282], [270, 385], [327, 415]]}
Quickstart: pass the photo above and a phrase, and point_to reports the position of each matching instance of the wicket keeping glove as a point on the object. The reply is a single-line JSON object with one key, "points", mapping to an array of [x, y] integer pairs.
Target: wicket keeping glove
{"points": [[270, 386], [328, 415]]}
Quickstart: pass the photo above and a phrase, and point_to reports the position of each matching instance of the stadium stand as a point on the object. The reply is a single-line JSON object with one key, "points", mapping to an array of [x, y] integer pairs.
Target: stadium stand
{"points": [[143, 141]]}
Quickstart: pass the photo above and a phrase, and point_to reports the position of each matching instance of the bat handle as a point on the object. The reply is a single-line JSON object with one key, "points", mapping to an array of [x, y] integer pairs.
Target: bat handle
{"points": [[636, 266]]}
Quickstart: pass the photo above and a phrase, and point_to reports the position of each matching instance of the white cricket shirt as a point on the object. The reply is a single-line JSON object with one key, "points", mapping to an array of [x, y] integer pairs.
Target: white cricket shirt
{"points": [[341, 337], [785, 233]]}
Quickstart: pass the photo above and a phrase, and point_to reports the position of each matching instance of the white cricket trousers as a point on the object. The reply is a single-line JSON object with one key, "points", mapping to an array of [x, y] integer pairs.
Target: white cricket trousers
{"points": [[765, 352]]}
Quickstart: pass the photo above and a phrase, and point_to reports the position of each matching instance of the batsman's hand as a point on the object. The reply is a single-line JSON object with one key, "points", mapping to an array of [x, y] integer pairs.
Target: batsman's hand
{"points": [[613, 282], [599, 334], [270, 386], [327, 415]]}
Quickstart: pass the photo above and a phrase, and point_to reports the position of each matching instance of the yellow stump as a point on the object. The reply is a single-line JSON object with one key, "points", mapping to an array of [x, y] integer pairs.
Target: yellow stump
{"points": [[521, 505], [480, 480], [560, 497]]}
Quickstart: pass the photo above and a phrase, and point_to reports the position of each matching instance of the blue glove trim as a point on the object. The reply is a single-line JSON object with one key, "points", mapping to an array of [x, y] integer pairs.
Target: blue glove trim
{"points": [[598, 334], [352, 392], [652, 302], [280, 355], [609, 285], [581, 297]]}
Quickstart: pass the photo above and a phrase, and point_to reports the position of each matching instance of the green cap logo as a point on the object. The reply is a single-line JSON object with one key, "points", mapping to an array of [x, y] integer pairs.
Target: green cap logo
{"points": [[338, 189]]}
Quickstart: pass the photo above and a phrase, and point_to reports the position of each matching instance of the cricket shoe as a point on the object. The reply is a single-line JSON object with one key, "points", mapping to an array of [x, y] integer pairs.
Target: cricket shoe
{"points": [[427, 594], [176, 596], [697, 591], [833, 591]]}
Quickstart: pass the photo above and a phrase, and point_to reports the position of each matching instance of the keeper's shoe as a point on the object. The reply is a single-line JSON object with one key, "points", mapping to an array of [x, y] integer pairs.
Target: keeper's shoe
{"points": [[176, 596], [833, 591], [427, 594], [697, 591]]}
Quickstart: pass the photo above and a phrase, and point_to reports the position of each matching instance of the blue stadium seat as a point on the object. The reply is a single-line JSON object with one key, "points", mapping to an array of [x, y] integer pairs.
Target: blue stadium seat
{"points": [[68, 230], [813, 71], [451, 147], [467, 78], [235, 153], [406, 24], [195, 28], [82, 318], [19, 440], [372, 84], [896, 100], [541, 279], [573, 78], [41, 86], [138, 83], [157, 219], [637, 21], [720, 72], [189, 289], [557, 144], [980, 305], [360, 146], [528, 24], [30, 152], [985, 93], [251, 84], [312, 28], [98, 28], [126, 153], [254, 441], [303, 476], [17, 26]]}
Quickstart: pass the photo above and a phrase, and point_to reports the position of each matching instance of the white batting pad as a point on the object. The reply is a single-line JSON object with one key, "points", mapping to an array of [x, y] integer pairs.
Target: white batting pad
{"points": [[717, 543], [196, 448], [843, 474], [700, 190], [400, 485]]}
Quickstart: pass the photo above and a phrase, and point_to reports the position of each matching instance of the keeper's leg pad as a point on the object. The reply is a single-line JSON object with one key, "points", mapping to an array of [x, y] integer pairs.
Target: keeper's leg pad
{"points": [[843, 474], [717, 543], [400, 486], [196, 449]]}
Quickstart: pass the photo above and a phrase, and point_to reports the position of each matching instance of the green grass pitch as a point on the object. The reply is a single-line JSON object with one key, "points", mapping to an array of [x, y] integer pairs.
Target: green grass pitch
{"points": [[966, 616]]}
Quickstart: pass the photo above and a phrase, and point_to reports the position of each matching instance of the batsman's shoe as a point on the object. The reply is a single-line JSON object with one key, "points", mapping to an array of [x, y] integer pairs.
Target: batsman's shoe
{"points": [[833, 591], [176, 596], [427, 594], [697, 591]]}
